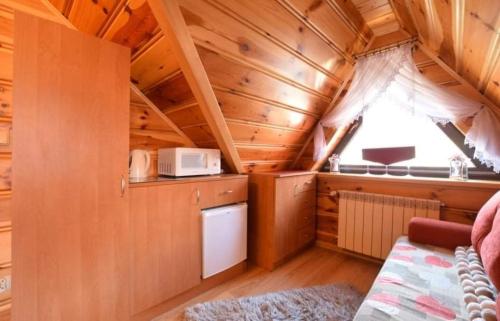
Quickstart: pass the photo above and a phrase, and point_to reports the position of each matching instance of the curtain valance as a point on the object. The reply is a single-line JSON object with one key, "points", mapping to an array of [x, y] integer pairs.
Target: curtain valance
{"points": [[394, 75]]}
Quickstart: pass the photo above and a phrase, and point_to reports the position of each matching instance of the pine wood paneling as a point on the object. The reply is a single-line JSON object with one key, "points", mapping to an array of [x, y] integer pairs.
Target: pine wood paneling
{"points": [[6, 63], [482, 24], [266, 152], [253, 133], [265, 166], [172, 92], [89, 16], [6, 98], [154, 64], [186, 116], [462, 199], [229, 74], [378, 15], [260, 112], [133, 26], [349, 36], [226, 35], [141, 117], [273, 21]]}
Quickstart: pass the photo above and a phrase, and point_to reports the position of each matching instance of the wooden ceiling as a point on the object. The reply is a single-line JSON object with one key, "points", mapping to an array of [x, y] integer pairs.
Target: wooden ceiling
{"points": [[378, 14], [275, 66]]}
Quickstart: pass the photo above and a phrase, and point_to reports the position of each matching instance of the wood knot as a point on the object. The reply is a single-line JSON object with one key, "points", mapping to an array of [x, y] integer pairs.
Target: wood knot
{"points": [[244, 47]]}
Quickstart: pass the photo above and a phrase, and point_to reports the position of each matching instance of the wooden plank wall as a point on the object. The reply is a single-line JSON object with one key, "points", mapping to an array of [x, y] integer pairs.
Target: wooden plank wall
{"points": [[6, 107], [462, 199], [274, 67], [464, 34]]}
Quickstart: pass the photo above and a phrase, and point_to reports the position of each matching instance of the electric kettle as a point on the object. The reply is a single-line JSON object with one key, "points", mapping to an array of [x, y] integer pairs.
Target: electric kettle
{"points": [[139, 161]]}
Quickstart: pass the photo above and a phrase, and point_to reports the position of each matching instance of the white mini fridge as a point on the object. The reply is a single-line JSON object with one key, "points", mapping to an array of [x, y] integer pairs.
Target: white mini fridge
{"points": [[224, 237]]}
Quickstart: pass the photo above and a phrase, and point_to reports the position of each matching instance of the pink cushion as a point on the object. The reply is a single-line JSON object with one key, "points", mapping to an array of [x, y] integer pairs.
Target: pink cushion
{"points": [[490, 251], [484, 222], [486, 240], [439, 233]]}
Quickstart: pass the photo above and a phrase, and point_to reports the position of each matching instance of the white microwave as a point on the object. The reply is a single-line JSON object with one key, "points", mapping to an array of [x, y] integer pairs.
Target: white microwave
{"points": [[181, 161]]}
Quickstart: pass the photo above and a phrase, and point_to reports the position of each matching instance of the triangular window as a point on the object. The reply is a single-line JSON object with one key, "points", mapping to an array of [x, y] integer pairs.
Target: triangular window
{"points": [[386, 125]]}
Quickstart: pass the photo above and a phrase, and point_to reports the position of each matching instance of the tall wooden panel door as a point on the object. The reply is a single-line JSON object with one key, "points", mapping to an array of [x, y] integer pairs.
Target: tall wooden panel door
{"points": [[70, 205]]}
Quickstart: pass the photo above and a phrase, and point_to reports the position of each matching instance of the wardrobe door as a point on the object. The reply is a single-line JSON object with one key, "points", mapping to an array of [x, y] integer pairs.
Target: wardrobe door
{"points": [[70, 156]]}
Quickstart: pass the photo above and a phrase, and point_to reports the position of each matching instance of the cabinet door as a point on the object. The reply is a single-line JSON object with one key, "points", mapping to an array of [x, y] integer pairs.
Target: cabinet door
{"points": [[166, 243], [69, 212], [285, 217]]}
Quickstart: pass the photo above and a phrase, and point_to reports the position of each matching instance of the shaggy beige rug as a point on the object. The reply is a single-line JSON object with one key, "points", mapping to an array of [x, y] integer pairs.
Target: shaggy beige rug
{"points": [[321, 303]]}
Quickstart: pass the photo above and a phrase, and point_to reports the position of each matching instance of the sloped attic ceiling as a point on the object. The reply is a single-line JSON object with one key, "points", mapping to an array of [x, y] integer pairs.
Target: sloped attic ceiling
{"points": [[460, 46], [274, 66]]}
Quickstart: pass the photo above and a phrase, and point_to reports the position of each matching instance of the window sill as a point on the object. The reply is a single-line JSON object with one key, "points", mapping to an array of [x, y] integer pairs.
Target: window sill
{"points": [[414, 180]]}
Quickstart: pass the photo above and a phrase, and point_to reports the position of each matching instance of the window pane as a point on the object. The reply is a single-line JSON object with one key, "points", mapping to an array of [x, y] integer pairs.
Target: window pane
{"points": [[386, 125]]}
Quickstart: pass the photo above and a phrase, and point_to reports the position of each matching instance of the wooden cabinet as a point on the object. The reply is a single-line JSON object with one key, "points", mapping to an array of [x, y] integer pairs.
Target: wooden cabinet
{"points": [[282, 215], [69, 209], [166, 243], [165, 220]]}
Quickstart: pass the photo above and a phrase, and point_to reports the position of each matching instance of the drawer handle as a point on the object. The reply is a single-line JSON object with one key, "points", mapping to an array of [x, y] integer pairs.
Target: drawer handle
{"points": [[197, 196], [295, 188], [229, 191]]}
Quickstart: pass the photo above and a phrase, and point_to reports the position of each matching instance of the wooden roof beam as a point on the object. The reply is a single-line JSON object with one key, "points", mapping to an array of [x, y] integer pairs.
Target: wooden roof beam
{"points": [[59, 18], [457, 26], [490, 61], [171, 21], [482, 98], [184, 138], [433, 25]]}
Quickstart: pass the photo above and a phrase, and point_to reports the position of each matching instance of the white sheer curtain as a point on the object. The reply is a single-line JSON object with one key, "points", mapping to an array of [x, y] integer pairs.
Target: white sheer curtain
{"points": [[394, 74]]}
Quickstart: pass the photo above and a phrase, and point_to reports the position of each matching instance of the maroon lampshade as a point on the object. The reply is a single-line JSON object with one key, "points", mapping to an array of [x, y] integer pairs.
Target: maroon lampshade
{"points": [[389, 155]]}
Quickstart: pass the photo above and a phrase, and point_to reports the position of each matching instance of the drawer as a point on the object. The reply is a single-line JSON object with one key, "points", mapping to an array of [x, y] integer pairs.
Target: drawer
{"points": [[306, 217], [217, 193], [305, 183], [306, 235], [305, 199]]}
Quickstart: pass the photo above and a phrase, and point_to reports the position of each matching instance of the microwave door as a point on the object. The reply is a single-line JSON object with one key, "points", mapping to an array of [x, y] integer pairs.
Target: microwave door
{"points": [[193, 163]]}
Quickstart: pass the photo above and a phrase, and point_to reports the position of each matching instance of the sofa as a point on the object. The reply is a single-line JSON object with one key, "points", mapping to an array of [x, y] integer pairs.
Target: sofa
{"points": [[440, 271]]}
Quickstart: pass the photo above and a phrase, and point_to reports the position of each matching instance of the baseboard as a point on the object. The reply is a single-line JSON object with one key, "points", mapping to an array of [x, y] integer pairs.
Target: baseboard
{"points": [[335, 248], [205, 285]]}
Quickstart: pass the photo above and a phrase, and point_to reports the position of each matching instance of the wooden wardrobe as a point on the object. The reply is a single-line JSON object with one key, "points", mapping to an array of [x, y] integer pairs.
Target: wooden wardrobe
{"points": [[70, 203]]}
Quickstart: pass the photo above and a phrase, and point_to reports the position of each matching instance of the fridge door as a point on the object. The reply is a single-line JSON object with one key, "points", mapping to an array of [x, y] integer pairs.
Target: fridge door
{"points": [[224, 238]]}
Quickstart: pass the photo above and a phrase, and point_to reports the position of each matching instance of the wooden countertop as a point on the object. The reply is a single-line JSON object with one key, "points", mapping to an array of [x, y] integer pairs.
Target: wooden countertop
{"points": [[285, 173], [161, 180], [471, 183]]}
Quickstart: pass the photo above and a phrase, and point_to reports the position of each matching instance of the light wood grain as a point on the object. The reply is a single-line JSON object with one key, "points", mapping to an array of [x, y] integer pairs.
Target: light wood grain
{"points": [[462, 201], [173, 25], [166, 243], [280, 216], [70, 254], [314, 267]]}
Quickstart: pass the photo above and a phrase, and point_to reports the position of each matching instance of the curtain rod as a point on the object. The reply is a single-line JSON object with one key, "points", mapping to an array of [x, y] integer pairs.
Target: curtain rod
{"points": [[386, 48]]}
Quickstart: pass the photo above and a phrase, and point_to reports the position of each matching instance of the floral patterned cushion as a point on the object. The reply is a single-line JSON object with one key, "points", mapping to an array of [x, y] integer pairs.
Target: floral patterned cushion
{"points": [[417, 282]]}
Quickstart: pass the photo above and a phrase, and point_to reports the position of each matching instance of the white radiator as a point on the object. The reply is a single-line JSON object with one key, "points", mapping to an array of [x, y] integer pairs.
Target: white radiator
{"points": [[371, 223]]}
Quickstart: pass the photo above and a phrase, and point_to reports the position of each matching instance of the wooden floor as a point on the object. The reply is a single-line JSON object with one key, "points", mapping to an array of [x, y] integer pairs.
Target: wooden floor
{"points": [[316, 266]]}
